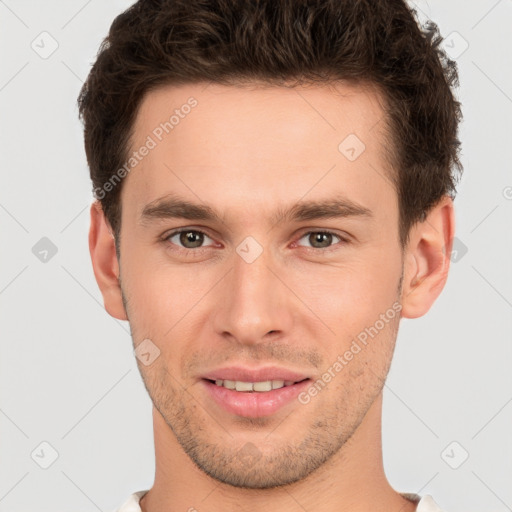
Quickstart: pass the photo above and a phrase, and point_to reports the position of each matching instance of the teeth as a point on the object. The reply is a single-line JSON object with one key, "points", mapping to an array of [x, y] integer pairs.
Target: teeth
{"points": [[254, 386], [230, 384], [262, 386], [243, 386]]}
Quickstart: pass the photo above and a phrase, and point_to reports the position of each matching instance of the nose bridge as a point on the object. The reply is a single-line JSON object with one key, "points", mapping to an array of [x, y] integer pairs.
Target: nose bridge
{"points": [[253, 300]]}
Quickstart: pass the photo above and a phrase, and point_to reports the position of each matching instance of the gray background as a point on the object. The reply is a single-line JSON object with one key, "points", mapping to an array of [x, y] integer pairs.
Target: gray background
{"points": [[68, 375]]}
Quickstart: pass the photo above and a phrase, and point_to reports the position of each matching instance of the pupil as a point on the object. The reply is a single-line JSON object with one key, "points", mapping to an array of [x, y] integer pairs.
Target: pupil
{"points": [[324, 239], [187, 239]]}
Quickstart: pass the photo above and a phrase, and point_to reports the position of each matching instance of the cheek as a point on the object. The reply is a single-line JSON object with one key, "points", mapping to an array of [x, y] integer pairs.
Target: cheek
{"points": [[161, 294], [349, 298]]}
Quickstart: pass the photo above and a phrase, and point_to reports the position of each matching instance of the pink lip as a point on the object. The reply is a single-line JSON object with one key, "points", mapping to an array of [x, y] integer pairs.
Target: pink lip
{"points": [[254, 375], [254, 404]]}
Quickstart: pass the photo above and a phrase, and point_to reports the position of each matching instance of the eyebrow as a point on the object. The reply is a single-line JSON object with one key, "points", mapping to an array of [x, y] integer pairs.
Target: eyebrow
{"points": [[172, 207]]}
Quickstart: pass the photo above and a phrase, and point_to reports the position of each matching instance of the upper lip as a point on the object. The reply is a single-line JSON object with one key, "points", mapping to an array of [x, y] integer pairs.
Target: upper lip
{"points": [[239, 373]]}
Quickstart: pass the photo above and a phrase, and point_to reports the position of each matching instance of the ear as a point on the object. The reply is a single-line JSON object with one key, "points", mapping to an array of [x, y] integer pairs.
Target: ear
{"points": [[104, 261], [427, 259]]}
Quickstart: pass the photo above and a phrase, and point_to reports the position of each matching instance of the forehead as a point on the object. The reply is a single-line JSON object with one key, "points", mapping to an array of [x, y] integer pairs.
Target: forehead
{"points": [[262, 143]]}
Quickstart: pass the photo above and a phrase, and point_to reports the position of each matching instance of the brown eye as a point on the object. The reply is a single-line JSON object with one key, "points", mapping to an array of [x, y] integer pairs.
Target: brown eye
{"points": [[188, 238], [191, 239], [321, 239]]}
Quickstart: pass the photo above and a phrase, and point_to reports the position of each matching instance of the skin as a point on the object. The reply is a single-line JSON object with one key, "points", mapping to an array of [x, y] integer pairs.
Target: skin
{"points": [[245, 152]]}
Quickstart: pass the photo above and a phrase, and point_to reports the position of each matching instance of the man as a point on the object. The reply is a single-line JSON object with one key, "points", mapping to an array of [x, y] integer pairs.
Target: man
{"points": [[274, 185]]}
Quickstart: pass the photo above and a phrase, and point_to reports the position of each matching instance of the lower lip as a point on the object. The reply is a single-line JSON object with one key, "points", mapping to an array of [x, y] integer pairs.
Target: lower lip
{"points": [[254, 404]]}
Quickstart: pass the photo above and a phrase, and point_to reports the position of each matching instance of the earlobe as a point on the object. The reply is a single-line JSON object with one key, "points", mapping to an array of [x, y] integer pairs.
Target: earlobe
{"points": [[104, 261], [427, 259]]}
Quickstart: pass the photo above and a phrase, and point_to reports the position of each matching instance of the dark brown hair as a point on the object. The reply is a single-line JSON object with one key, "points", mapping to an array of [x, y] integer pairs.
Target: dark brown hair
{"points": [[230, 42]]}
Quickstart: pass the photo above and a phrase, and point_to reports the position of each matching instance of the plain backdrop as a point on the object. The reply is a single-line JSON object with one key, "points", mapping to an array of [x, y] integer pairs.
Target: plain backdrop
{"points": [[71, 397]]}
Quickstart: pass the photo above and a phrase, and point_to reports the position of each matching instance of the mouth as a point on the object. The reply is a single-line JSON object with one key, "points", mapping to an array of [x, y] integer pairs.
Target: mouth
{"points": [[253, 399], [251, 387]]}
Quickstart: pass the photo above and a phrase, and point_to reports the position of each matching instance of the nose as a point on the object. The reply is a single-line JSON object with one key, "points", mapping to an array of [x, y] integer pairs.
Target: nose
{"points": [[254, 304]]}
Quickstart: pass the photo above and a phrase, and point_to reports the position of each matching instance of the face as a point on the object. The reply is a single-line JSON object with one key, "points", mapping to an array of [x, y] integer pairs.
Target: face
{"points": [[260, 232]]}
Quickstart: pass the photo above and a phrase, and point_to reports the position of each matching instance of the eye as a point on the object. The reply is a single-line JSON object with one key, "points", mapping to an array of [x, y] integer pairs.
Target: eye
{"points": [[187, 238], [321, 239]]}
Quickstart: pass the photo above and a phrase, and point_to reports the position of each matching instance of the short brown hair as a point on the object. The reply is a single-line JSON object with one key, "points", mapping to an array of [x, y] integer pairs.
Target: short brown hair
{"points": [[160, 42]]}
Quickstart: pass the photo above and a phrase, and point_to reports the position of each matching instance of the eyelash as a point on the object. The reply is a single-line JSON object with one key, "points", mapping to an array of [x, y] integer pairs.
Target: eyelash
{"points": [[166, 238]]}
